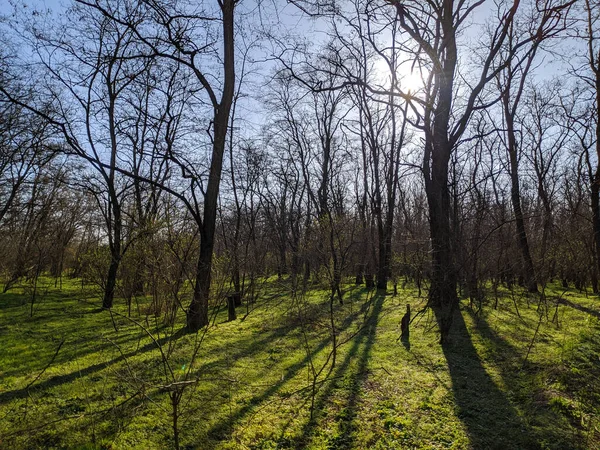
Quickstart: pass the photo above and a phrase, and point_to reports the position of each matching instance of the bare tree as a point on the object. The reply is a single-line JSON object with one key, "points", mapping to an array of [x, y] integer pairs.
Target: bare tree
{"points": [[172, 32], [589, 73], [539, 26], [434, 29]]}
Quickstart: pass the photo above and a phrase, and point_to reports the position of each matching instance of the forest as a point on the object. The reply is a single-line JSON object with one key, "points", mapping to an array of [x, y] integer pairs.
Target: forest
{"points": [[302, 224]]}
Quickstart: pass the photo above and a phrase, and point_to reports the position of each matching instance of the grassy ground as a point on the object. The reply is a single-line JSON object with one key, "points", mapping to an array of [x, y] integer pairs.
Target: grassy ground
{"points": [[73, 376]]}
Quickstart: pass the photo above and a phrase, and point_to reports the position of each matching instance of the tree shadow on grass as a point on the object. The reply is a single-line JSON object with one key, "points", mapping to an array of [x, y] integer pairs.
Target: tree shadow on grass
{"points": [[13, 300], [57, 380], [504, 352], [347, 416], [70, 377], [103, 424], [347, 426], [72, 350], [590, 311], [42, 333], [223, 428], [532, 390], [489, 418]]}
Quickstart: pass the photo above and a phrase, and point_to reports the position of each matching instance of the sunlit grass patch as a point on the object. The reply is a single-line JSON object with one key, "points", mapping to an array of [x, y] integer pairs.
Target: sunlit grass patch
{"points": [[498, 384]]}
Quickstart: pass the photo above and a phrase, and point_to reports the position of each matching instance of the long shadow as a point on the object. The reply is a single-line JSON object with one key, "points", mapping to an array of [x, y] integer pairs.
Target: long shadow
{"points": [[286, 325], [580, 308], [56, 322], [256, 345], [67, 378], [348, 415], [223, 428], [347, 427], [505, 349], [12, 300], [66, 355], [114, 420], [512, 375], [490, 420]]}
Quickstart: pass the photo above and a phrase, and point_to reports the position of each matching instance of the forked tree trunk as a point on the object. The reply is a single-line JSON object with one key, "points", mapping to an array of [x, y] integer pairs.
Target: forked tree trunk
{"points": [[438, 148]]}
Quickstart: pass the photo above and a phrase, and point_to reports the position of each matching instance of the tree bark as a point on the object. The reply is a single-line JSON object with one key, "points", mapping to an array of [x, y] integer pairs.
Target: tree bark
{"points": [[528, 271], [438, 148], [197, 316], [442, 292], [595, 188], [111, 282]]}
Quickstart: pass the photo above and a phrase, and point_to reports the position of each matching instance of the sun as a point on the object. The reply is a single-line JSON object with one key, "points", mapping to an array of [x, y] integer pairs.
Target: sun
{"points": [[408, 80]]}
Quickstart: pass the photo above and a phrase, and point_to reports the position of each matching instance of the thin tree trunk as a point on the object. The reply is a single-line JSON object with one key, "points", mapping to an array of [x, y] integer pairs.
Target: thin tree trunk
{"points": [[382, 267], [515, 194], [115, 256]]}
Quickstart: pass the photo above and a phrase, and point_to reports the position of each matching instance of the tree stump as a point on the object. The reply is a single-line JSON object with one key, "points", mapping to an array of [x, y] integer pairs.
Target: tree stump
{"points": [[231, 315], [404, 324]]}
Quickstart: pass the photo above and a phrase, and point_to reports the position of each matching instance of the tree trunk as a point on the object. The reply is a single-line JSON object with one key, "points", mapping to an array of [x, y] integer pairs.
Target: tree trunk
{"points": [[360, 271], [115, 255], [595, 188], [528, 271], [385, 249], [442, 292], [231, 315], [595, 200], [197, 316], [382, 268], [237, 285], [438, 148], [111, 282], [282, 269]]}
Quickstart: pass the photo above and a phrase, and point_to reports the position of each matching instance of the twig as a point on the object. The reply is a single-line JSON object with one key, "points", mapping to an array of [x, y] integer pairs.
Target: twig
{"points": [[532, 340], [385, 370], [47, 365], [422, 311]]}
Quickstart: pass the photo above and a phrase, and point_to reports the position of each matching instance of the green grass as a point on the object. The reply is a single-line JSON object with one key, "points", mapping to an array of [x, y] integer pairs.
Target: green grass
{"points": [[249, 385]]}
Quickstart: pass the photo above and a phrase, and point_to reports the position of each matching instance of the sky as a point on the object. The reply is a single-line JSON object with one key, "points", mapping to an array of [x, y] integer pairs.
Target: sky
{"points": [[285, 18]]}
